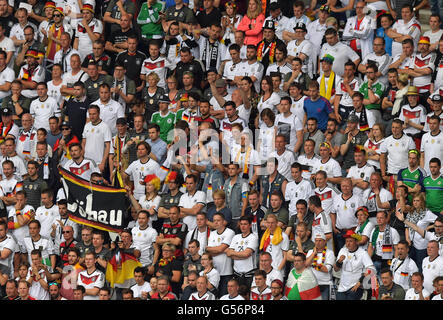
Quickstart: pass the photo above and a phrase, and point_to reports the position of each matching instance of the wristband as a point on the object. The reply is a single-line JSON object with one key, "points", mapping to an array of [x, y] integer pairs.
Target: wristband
{"points": [[339, 264], [251, 183]]}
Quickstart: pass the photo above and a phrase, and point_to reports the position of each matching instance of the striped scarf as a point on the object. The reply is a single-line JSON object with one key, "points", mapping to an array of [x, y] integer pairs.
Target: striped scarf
{"points": [[387, 246]]}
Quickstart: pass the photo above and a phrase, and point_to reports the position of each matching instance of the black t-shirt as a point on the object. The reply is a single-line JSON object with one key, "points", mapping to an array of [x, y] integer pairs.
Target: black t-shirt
{"points": [[395, 223], [195, 67], [389, 93], [205, 19], [174, 265], [104, 61], [167, 201], [120, 36], [358, 140], [92, 87], [133, 64], [178, 230], [7, 23], [76, 112]]}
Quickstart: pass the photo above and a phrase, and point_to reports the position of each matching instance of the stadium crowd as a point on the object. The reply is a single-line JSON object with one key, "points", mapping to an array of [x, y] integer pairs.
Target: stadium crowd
{"points": [[270, 150]]}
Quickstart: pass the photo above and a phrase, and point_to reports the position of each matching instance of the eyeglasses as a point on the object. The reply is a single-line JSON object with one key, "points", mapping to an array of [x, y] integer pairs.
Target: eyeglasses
{"points": [[66, 129], [66, 231], [57, 15]]}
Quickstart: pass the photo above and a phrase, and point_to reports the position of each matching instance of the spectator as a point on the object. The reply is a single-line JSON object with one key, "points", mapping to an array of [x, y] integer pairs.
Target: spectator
{"points": [[432, 265], [321, 259], [383, 242], [141, 288], [252, 23], [417, 291], [389, 288], [352, 278], [91, 279], [403, 267]]}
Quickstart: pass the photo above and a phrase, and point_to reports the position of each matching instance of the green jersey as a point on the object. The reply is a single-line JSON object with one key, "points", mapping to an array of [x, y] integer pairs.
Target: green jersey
{"points": [[166, 123], [377, 89], [434, 193], [411, 178], [149, 20]]}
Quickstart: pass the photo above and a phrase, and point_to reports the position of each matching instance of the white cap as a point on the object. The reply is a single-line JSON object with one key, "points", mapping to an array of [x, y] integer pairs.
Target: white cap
{"points": [[320, 235]]}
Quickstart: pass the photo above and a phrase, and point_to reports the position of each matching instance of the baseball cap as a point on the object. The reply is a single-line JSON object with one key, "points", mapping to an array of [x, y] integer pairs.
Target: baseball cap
{"points": [[164, 98], [320, 235], [220, 83], [269, 24], [436, 98], [353, 118], [66, 124], [327, 58], [211, 69], [325, 8], [300, 26], [6, 112], [121, 121], [274, 6]]}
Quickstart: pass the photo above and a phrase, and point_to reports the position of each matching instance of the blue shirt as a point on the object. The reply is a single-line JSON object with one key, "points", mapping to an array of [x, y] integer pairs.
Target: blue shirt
{"points": [[380, 32], [319, 109], [170, 3], [159, 149]]}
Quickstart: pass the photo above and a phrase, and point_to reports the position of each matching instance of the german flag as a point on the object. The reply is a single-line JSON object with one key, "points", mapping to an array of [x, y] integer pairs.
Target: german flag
{"points": [[121, 267]]}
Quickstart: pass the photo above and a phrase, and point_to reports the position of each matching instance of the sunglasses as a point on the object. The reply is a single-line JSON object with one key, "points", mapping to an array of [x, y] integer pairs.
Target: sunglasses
{"points": [[66, 128], [57, 15], [66, 231]]}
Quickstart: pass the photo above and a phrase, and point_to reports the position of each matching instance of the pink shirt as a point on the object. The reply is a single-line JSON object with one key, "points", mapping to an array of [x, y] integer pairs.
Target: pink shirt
{"points": [[254, 35]]}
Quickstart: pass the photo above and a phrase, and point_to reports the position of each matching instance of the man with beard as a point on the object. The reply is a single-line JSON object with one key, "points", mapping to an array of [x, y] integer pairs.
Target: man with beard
{"points": [[79, 165], [334, 138]]}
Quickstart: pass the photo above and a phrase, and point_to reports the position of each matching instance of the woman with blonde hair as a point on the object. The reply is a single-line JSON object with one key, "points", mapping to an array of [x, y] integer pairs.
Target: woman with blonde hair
{"points": [[150, 201], [421, 217], [173, 95], [252, 23], [372, 145], [400, 95], [152, 94]]}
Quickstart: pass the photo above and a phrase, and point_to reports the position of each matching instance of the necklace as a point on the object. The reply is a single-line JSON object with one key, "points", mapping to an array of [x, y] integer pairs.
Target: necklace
{"points": [[317, 266]]}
